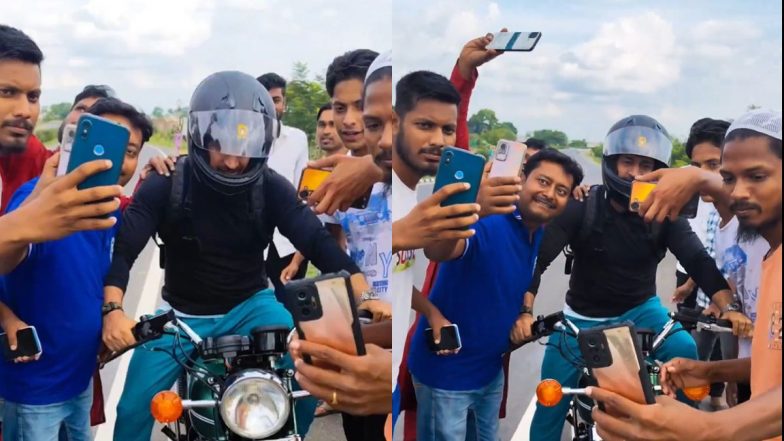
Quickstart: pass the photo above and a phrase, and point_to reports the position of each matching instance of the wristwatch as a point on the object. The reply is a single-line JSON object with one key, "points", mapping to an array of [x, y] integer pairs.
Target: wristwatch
{"points": [[109, 307], [731, 307], [368, 295], [526, 310]]}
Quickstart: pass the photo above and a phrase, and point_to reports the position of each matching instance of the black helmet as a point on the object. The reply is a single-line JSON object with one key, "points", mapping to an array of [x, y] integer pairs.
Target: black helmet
{"points": [[634, 135], [231, 113]]}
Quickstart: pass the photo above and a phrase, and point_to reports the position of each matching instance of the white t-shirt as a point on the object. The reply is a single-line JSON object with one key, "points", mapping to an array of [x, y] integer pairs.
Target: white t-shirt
{"points": [[403, 200], [369, 238], [741, 264], [699, 224], [288, 157]]}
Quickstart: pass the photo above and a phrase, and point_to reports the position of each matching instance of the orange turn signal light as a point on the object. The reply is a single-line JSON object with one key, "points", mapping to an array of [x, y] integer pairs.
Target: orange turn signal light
{"points": [[166, 407], [697, 393], [549, 392]]}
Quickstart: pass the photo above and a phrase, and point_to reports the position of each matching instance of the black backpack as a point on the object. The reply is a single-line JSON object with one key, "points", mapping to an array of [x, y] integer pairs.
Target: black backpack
{"points": [[178, 219], [592, 229]]}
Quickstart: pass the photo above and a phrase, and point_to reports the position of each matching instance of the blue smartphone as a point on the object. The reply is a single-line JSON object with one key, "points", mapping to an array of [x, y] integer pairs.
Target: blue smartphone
{"points": [[99, 138], [458, 165]]}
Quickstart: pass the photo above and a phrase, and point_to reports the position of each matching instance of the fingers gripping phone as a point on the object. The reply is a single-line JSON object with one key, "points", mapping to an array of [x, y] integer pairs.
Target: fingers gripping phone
{"points": [[27, 344], [515, 41], [458, 165], [324, 312], [98, 138], [450, 339], [613, 357], [311, 180], [508, 159], [641, 191]]}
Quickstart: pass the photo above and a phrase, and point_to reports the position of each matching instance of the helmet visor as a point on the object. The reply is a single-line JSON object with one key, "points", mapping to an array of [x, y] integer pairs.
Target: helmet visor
{"points": [[231, 131], [640, 141]]}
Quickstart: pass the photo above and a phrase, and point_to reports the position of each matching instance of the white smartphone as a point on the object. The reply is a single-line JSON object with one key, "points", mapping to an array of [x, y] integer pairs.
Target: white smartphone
{"points": [[508, 159], [69, 133], [515, 41]]}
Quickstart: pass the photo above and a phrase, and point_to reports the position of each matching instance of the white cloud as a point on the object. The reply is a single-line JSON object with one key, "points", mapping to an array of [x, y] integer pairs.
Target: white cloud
{"points": [[632, 54]]}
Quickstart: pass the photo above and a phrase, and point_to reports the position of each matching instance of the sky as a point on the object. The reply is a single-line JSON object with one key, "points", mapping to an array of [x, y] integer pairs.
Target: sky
{"points": [[601, 60], [596, 62], [155, 52]]}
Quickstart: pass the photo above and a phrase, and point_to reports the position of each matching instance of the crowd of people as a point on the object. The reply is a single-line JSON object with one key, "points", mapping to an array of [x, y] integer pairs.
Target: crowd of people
{"points": [[238, 232]]}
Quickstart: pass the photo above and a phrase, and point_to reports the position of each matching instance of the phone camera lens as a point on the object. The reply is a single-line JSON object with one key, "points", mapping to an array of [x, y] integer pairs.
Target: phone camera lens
{"points": [[635, 206], [592, 343], [304, 194], [302, 295]]}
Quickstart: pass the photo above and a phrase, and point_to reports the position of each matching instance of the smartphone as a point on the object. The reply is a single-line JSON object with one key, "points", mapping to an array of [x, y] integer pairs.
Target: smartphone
{"points": [[458, 165], [69, 132], [312, 178], [450, 339], [515, 41], [324, 312], [641, 191], [98, 138], [27, 344], [508, 159], [614, 359]]}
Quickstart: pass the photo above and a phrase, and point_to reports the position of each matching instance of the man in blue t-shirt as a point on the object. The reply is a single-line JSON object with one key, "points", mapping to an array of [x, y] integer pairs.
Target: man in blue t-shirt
{"points": [[480, 288], [57, 287]]}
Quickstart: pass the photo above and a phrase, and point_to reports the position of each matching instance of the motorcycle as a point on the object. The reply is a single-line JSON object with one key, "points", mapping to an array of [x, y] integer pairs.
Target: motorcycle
{"points": [[235, 389], [549, 392]]}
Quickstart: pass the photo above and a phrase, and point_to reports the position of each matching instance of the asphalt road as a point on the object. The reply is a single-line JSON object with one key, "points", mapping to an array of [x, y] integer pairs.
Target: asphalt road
{"points": [[526, 362]]}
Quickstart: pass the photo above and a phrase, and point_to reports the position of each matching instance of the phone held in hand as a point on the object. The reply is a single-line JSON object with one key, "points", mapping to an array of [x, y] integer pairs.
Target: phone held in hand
{"points": [[27, 344], [450, 339], [515, 41], [312, 178], [508, 159], [458, 165], [69, 132], [325, 312], [641, 191], [98, 138]]}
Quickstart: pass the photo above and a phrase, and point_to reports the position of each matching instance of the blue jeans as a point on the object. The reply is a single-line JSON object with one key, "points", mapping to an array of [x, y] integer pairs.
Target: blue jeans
{"points": [[151, 372], [443, 415], [548, 422], [25, 422]]}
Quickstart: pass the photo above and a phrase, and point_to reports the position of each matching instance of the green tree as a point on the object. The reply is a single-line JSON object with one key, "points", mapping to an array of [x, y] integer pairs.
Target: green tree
{"points": [[482, 121], [157, 112], [57, 111], [496, 134], [304, 96], [578, 143], [679, 157], [553, 138], [509, 126]]}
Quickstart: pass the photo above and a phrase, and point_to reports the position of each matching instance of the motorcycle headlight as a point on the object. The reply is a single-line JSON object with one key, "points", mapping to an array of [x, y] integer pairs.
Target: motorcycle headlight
{"points": [[255, 404]]}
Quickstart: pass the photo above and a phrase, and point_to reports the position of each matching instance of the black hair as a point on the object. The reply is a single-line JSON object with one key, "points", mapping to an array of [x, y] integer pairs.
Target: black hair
{"points": [[271, 81], [569, 165], [423, 85], [321, 110], [741, 134], [536, 143], [16, 45], [377, 75], [94, 91], [706, 130], [113, 106], [351, 65]]}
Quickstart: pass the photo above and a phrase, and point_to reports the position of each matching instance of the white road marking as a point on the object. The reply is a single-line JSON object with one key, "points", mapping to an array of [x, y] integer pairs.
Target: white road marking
{"points": [[523, 429]]}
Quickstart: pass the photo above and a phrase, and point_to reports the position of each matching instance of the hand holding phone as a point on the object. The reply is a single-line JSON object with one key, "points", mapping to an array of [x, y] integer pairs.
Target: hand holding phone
{"points": [[508, 159], [612, 355], [324, 312], [449, 340], [311, 180], [641, 191], [515, 41], [28, 346]]}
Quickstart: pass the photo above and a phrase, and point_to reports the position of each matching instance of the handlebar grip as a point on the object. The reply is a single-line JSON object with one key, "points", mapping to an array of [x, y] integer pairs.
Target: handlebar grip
{"points": [[724, 323]]}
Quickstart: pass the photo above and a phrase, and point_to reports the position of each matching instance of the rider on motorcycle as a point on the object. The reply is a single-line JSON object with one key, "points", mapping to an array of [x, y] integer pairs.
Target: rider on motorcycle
{"points": [[215, 223], [615, 260]]}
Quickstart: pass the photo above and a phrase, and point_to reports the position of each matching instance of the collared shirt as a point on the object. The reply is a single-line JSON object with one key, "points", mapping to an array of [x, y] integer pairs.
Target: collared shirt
{"points": [[288, 157]]}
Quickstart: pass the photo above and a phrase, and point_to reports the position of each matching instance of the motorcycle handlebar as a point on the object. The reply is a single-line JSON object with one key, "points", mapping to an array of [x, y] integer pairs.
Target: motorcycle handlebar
{"points": [[691, 317]]}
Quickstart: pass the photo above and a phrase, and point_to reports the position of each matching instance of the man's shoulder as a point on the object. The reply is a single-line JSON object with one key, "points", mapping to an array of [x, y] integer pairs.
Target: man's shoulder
{"points": [[294, 132]]}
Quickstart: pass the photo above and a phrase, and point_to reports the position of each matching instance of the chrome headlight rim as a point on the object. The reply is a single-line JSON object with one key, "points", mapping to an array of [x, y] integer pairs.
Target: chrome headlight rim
{"points": [[255, 375]]}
